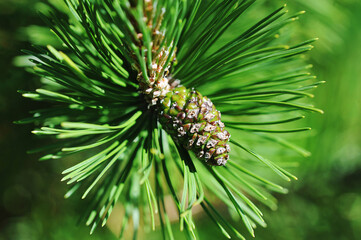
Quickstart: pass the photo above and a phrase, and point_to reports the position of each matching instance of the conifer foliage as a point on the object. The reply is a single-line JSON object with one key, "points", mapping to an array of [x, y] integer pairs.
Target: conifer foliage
{"points": [[137, 94]]}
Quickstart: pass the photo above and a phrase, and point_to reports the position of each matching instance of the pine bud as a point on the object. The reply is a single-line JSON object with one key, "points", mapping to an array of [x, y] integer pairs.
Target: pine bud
{"points": [[194, 122]]}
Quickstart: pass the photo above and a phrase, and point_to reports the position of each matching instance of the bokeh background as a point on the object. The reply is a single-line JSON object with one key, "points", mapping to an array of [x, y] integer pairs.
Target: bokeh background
{"points": [[324, 204]]}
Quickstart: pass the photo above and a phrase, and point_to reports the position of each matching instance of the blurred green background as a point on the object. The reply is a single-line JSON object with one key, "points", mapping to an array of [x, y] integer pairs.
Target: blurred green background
{"points": [[324, 204]]}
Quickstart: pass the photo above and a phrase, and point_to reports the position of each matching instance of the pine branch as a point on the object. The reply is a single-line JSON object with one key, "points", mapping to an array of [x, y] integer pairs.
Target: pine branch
{"points": [[123, 93]]}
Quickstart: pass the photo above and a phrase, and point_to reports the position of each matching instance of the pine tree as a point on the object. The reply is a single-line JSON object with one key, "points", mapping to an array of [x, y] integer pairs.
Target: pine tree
{"points": [[146, 93]]}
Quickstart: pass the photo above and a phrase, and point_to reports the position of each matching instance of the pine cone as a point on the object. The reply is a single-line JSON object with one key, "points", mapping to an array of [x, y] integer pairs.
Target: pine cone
{"points": [[194, 122]]}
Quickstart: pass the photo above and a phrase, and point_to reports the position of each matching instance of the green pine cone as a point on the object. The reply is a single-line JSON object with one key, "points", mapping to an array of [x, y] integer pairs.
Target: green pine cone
{"points": [[194, 122]]}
